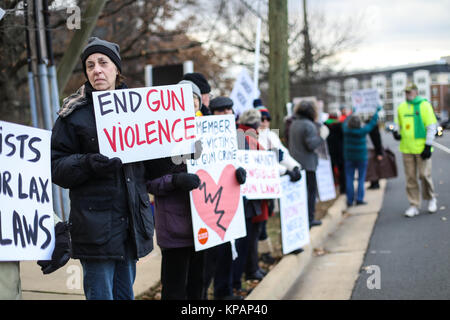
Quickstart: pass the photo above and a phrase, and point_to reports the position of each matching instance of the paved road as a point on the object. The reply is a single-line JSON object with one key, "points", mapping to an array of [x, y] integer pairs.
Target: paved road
{"points": [[413, 254]]}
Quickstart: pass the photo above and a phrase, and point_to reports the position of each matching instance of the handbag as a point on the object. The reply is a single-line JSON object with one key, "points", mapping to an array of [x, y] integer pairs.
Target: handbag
{"points": [[384, 169]]}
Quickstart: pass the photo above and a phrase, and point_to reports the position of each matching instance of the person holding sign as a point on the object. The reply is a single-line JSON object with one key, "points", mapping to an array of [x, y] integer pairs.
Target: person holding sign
{"points": [[181, 266], [256, 211], [110, 215], [355, 155], [287, 165]]}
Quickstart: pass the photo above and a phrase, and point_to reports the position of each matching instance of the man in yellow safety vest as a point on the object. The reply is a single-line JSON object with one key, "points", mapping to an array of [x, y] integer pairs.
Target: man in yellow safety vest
{"points": [[417, 127]]}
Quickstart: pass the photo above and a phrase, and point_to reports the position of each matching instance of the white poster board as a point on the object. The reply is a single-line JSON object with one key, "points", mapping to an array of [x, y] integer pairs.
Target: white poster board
{"points": [[26, 203], [145, 123], [294, 214], [263, 178], [366, 100], [2, 13], [325, 180], [243, 93], [216, 206]]}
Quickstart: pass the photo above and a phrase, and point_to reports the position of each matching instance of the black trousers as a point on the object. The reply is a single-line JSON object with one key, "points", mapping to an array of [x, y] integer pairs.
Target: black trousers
{"points": [[311, 187], [182, 274]]}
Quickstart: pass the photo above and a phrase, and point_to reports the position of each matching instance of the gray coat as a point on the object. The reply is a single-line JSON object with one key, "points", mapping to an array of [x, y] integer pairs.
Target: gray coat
{"points": [[304, 138]]}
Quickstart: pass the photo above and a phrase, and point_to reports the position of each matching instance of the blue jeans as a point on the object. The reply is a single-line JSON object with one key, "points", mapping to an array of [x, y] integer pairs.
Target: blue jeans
{"points": [[350, 167], [108, 279]]}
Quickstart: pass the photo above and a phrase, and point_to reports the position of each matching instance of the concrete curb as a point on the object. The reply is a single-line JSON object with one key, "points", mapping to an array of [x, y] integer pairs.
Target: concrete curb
{"points": [[278, 281]]}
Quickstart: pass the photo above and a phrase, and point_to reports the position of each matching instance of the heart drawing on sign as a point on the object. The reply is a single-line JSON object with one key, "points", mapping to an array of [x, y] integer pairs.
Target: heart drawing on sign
{"points": [[217, 203]]}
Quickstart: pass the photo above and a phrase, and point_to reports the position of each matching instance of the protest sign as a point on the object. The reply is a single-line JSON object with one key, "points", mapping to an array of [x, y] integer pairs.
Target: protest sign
{"points": [[243, 93], [365, 101], [325, 180], [216, 206], [26, 204], [145, 123], [294, 214], [263, 177]]}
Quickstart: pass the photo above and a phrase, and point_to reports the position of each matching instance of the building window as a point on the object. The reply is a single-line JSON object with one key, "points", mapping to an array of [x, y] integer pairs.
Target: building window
{"points": [[421, 80], [435, 91], [435, 104]]}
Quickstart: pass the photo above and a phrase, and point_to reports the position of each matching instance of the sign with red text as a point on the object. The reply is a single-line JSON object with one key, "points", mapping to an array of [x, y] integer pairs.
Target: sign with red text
{"points": [[216, 206], [263, 177], [294, 214], [145, 123], [26, 204]]}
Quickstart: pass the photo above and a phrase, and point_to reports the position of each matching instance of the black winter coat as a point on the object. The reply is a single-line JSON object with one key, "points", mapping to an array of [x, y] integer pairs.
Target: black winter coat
{"points": [[106, 211]]}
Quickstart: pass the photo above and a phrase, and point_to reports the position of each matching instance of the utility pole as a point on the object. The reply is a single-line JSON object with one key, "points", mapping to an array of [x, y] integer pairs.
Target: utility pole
{"points": [[278, 60], [307, 54]]}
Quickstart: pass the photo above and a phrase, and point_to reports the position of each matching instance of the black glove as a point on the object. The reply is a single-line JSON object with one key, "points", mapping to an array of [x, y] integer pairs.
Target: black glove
{"points": [[185, 181], [294, 174], [101, 165], [241, 175], [396, 135], [426, 153], [62, 251], [198, 150]]}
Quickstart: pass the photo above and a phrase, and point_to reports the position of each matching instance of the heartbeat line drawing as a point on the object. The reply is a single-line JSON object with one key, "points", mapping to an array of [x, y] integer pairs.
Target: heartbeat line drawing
{"points": [[210, 199], [216, 203]]}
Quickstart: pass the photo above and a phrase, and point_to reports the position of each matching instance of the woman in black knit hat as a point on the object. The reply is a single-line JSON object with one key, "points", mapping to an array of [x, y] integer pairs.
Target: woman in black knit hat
{"points": [[110, 215]]}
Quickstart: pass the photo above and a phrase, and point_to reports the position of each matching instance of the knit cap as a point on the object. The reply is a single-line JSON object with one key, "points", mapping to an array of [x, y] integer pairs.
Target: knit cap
{"points": [[96, 45]]}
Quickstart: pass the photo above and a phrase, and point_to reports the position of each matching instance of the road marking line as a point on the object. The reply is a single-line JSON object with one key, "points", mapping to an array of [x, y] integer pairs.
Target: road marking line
{"points": [[440, 146]]}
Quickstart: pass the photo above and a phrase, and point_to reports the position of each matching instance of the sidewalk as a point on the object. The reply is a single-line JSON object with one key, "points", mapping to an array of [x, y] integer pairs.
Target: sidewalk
{"points": [[67, 282], [285, 274]]}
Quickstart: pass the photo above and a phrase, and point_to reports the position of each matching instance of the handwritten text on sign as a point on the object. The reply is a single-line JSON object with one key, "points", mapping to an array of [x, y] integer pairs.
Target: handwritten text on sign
{"points": [[216, 206], [145, 123], [26, 209], [366, 100], [294, 214], [263, 178]]}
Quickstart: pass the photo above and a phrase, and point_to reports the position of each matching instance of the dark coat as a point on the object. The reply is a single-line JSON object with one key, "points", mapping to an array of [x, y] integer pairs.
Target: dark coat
{"points": [[172, 212], [304, 139], [104, 211]]}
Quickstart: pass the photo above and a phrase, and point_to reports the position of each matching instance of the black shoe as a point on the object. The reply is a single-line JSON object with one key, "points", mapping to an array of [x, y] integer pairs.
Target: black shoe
{"points": [[267, 258], [361, 203], [315, 223], [374, 186], [257, 275], [297, 251]]}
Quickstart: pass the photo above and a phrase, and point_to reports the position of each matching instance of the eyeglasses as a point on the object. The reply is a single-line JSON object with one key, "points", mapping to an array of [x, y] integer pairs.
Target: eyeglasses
{"points": [[265, 119]]}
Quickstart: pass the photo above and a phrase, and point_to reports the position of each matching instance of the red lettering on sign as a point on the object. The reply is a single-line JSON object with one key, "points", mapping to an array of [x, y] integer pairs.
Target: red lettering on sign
{"points": [[186, 127]]}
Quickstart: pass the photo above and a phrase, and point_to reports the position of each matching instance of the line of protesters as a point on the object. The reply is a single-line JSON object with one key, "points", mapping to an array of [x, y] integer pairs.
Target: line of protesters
{"points": [[111, 224]]}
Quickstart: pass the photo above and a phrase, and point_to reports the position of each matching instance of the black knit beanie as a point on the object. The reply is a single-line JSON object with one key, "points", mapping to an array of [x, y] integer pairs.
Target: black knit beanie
{"points": [[200, 80], [96, 45]]}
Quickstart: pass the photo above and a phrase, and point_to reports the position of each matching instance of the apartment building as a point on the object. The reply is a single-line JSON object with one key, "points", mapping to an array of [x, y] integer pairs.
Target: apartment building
{"points": [[432, 79]]}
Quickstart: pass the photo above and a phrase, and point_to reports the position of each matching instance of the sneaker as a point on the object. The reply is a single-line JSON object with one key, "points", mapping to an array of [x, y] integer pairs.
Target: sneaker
{"points": [[432, 205], [411, 212]]}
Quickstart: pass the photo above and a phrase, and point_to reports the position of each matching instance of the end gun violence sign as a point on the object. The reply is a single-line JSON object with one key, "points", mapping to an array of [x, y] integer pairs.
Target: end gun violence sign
{"points": [[26, 204], [216, 205], [145, 123]]}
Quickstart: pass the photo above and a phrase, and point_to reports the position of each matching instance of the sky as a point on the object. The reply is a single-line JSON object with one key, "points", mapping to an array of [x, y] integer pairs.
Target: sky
{"points": [[393, 32]]}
